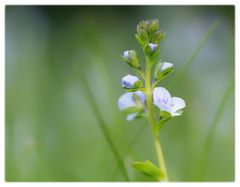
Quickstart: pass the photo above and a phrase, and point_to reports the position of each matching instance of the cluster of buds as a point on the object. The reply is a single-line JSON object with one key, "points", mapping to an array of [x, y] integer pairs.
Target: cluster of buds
{"points": [[149, 37]]}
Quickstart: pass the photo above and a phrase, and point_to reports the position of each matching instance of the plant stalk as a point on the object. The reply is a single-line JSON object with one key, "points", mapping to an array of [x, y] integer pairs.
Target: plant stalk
{"points": [[152, 121]]}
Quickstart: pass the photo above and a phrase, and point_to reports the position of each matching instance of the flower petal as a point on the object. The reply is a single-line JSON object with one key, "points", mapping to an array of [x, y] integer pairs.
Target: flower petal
{"points": [[166, 65], [126, 101], [141, 96], [131, 116], [128, 81], [126, 54], [163, 107], [153, 46], [178, 103], [175, 114], [161, 95]]}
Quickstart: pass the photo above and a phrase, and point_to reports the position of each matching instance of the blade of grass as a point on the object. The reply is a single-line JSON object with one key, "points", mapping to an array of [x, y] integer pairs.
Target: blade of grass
{"points": [[209, 139], [132, 143], [104, 129], [193, 56]]}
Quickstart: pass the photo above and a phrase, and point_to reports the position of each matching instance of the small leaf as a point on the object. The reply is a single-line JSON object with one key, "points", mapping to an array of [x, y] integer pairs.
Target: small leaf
{"points": [[132, 60], [165, 114], [148, 50], [157, 37], [138, 84], [155, 56], [161, 123], [148, 168], [133, 109], [140, 115], [161, 73], [140, 42]]}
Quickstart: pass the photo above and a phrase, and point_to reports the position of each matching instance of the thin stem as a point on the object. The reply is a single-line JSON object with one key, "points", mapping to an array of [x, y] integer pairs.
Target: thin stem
{"points": [[152, 121], [141, 73], [149, 93], [194, 54], [160, 155], [213, 126]]}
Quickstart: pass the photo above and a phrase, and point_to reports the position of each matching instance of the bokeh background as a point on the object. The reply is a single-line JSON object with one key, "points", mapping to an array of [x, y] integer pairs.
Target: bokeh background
{"points": [[63, 73]]}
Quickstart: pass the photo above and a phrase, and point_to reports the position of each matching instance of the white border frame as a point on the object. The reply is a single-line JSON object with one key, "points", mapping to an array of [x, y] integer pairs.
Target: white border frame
{"points": [[114, 2]]}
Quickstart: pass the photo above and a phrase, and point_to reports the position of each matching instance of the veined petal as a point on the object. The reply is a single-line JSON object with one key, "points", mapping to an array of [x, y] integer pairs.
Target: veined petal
{"points": [[161, 95], [163, 107], [177, 104]]}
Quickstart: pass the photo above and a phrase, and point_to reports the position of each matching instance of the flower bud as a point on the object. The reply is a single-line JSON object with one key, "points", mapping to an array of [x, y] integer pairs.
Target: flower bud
{"points": [[162, 70], [148, 32], [157, 37], [151, 51], [153, 26], [143, 36], [153, 47], [131, 58], [143, 25], [130, 81]]}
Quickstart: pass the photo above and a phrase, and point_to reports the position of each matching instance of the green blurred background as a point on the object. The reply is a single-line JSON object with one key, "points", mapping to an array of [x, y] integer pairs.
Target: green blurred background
{"points": [[63, 73]]}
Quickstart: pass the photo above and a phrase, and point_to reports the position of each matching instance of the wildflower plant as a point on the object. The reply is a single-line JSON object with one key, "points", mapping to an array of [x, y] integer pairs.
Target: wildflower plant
{"points": [[143, 94]]}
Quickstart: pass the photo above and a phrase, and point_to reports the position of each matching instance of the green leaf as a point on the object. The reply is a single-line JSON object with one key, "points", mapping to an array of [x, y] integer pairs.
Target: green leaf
{"points": [[153, 26], [165, 114], [160, 74], [155, 56], [148, 168], [133, 109], [148, 51], [140, 115], [161, 123], [140, 42], [132, 60], [152, 55], [157, 37], [138, 84]]}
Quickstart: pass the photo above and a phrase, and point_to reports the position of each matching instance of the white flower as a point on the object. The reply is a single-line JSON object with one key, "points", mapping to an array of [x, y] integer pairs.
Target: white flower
{"points": [[127, 101], [166, 65], [153, 46], [128, 81], [163, 100]]}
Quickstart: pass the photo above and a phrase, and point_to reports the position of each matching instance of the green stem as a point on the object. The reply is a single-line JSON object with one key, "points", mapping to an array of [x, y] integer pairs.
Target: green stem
{"points": [[160, 156], [149, 93], [152, 121]]}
